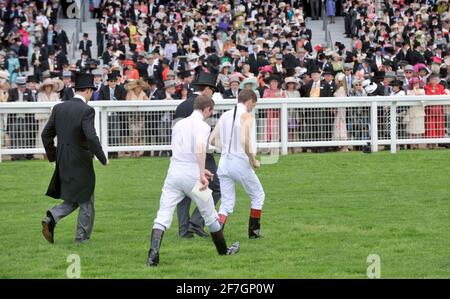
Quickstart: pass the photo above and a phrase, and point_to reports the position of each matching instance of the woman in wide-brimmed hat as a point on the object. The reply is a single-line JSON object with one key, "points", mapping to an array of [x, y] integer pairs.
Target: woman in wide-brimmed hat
{"points": [[291, 88], [224, 75], [271, 128], [136, 92], [250, 84], [48, 92], [415, 115], [340, 121]]}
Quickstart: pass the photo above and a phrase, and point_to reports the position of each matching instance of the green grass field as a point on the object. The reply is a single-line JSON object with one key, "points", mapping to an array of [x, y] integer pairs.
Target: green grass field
{"points": [[324, 214]]}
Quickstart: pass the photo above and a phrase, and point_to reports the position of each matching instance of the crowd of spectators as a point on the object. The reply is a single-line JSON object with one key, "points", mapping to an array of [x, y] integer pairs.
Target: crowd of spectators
{"points": [[153, 50]]}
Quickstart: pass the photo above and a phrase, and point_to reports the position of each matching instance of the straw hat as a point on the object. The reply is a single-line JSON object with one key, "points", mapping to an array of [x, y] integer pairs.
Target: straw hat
{"points": [[55, 83], [290, 80], [137, 83]]}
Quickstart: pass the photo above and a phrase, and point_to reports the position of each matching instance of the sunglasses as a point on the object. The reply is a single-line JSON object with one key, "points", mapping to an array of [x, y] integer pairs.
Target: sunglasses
{"points": [[358, 84]]}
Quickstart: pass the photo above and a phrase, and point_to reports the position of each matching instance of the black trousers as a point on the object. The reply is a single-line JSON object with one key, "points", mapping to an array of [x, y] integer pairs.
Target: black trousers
{"points": [[183, 208]]}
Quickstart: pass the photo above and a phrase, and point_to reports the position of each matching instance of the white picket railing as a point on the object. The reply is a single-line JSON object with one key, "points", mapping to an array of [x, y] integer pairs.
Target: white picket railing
{"points": [[292, 123]]}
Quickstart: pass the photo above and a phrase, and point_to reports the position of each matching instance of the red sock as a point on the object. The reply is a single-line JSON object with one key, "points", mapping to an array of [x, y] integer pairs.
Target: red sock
{"points": [[255, 213], [222, 219]]}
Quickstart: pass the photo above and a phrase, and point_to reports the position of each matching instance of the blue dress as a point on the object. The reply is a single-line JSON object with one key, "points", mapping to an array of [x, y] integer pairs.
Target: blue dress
{"points": [[331, 8]]}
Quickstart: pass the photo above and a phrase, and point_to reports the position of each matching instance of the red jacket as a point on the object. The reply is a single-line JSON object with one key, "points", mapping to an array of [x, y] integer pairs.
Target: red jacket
{"points": [[433, 91]]}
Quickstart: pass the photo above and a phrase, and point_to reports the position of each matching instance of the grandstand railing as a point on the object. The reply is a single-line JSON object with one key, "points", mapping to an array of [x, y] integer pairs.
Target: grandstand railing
{"points": [[125, 126]]}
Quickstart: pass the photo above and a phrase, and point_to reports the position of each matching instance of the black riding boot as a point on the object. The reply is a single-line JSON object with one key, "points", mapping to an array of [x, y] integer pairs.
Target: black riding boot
{"points": [[254, 227], [153, 253], [221, 245]]}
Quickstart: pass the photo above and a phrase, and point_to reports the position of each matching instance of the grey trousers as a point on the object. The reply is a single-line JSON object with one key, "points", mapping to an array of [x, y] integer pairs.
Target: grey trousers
{"points": [[315, 8], [184, 220], [86, 216]]}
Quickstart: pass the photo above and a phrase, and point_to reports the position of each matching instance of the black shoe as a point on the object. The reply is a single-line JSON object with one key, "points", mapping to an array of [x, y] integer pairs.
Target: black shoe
{"points": [[48, 228], [186, 235], [197, 230], [254, 228], [153, 253], [221, 245]]}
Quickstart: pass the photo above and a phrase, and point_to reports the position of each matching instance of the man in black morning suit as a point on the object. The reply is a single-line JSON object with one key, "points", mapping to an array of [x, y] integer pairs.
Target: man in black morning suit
{"points": [[73, 181], [205, 84], [317, 119], [117, 124]]}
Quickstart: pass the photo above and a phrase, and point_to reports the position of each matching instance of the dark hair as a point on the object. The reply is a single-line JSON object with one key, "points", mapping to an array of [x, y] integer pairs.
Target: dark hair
{"points": [[203, 102], [247, 95], [82, 89]]}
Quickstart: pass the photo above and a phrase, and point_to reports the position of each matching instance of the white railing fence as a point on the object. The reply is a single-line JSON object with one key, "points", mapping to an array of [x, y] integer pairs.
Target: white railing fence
{"points": [[127, 126]]}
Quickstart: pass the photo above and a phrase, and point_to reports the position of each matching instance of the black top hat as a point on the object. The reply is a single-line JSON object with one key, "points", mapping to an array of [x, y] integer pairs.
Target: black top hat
{"points": [[32, 79], [184, 73], [242, 48], [328, 71], [206, 79], [84, 81], [314, 69], [112, 76]]}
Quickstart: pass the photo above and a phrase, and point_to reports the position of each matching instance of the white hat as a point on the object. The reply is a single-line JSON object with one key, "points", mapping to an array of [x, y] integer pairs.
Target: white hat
{"points": [[290, 80], [252, 81], [340, 77], [21, 81], [224, 65], [371, 88], [169, 83]]}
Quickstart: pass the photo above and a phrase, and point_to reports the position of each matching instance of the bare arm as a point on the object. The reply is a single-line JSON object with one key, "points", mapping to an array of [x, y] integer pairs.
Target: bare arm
{"points": [[214, 138], [247, 120]]}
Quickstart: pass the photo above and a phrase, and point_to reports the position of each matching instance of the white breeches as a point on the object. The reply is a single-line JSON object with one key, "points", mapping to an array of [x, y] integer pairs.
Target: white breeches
{"points": [[233, 169], [180, 181]]}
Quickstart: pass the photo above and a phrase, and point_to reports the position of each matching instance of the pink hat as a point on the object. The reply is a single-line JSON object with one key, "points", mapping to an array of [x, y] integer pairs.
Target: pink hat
{"points": [[266, 68], [418, 66], [413, 81]]}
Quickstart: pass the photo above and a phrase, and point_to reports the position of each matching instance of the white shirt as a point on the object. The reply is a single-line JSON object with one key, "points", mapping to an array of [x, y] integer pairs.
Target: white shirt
{"points": [[237, 141], [80, 97], [189, 136]]}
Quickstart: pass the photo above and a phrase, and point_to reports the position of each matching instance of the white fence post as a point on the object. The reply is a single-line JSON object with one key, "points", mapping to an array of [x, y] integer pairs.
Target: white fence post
{"points": [[374, 126], [393, 122], [104, 130], [284, 128]]}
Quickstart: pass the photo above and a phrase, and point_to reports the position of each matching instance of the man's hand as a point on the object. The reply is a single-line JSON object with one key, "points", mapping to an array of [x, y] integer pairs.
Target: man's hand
{"points": [[208, 174], [203, 182], [255, 163]]}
